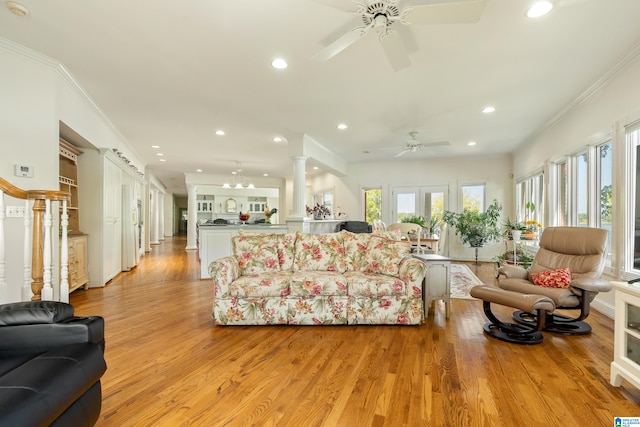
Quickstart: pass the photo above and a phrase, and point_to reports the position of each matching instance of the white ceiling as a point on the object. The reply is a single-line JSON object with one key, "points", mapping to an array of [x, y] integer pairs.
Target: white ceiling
{"points": [[171, 73]]}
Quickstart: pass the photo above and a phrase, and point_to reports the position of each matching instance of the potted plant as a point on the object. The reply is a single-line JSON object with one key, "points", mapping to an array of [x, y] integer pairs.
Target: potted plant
{"points": [[476, 228], [415, 219]]}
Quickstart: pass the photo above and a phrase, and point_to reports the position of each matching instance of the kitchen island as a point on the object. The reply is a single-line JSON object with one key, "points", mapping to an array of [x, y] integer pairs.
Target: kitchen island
{"points": [[214, 241]]}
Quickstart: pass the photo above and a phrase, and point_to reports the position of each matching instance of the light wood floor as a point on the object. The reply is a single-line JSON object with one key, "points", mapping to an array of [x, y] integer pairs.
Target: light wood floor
{"points": [[168, 365]]}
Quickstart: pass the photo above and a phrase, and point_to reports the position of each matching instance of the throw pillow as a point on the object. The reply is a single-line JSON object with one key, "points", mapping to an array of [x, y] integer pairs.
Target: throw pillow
{"points": [[560, 278], [384, 255], [319, 252], [256, 253]]}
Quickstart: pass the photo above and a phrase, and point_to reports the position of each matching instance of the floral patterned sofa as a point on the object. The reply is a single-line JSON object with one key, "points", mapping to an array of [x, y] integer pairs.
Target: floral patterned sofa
{"points": [[317, 279]]}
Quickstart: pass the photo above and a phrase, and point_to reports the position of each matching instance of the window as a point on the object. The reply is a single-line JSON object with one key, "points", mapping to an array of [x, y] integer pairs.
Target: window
{"points": [[633, 142], [324, 199], [473, 197], [530, 198], [582, 190], [604, 197], [583, 186], [562, 188], [372, 205]]}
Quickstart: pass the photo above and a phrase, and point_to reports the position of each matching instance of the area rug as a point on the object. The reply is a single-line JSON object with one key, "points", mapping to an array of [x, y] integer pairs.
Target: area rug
{"points": [[462, 280]]}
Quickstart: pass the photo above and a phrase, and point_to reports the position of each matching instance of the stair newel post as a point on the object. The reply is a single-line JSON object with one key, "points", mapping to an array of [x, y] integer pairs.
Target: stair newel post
{"points": [[26, 282], [64, 254], [36, 249], [47, 289]]}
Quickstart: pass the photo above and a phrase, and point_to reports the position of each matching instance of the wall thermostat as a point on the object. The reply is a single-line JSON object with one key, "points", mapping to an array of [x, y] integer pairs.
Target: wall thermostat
{"points": [[24, 171]]}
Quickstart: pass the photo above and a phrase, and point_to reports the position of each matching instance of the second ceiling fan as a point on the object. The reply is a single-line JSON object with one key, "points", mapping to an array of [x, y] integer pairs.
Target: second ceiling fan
{"points": [[381, 15]]}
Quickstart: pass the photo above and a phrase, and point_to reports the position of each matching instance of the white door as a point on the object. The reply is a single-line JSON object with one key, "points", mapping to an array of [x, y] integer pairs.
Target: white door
{"points": [[112, 220]]}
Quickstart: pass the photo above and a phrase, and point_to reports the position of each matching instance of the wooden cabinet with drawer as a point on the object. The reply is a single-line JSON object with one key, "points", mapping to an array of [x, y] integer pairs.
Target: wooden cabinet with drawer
{"points": [[78, 271]]}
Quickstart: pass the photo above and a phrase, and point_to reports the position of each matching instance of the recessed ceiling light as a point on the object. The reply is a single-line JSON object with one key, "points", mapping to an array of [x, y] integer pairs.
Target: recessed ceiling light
{"points": [[198, 170], [219, 132], [277, 139], [315, 168], [17, 8], [265, 174], [163, 160], [159, 154], [342, 126], [155, 146], [471, 143], [488, 109], [539, 8], [233, 172], [279, 63]]}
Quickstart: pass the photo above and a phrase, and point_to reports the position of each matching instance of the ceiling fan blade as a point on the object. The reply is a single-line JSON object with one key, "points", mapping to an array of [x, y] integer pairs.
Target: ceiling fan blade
{"points": [[395, 51], [341, 44], [434, 144], [402, 153], [463, 12], [344, 5]]}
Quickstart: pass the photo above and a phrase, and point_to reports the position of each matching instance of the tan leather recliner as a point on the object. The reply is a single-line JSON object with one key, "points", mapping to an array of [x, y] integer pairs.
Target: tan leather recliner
{"points": [[583, 251]]}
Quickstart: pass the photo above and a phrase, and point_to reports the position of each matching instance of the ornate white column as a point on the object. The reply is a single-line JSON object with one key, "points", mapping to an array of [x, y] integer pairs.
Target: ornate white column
{"points": [[298, 219], [192, 217], [299, 165]]}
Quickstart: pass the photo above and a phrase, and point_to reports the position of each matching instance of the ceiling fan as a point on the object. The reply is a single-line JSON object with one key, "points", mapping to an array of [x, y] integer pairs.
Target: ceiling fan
{"points": [[381, 15], [412, 145]]}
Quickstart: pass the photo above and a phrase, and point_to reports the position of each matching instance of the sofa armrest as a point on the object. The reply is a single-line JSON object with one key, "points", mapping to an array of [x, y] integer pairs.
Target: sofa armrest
{"points": [[41, 337], [223, 272], [34, 312], [412, 272]]}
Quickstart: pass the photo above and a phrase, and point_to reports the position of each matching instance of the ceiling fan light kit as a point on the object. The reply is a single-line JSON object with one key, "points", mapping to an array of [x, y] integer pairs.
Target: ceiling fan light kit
{"points": [[381, 15]]}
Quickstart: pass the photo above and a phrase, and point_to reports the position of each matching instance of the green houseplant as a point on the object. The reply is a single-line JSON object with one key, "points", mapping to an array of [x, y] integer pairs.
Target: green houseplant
{"points": [[415, 219], [476, 228]]}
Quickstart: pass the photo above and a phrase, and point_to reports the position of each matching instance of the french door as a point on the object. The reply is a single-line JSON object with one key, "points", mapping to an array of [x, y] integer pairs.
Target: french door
{"points": [[429, 202]]}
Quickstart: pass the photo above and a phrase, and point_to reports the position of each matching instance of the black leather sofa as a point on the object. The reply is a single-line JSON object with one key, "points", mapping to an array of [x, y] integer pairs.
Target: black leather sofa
{"points": [[51, 363]]}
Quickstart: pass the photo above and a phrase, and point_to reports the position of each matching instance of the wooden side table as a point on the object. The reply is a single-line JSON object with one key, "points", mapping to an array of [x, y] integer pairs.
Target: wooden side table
{"points": [[437, 281]]}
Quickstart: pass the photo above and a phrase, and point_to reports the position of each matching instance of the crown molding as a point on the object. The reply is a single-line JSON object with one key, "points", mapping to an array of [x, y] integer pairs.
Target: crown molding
{"points": [[631, 55], [67, 78]]}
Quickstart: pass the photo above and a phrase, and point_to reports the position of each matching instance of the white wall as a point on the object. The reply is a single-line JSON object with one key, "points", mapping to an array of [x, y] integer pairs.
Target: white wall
{"points": [[613, 102], [38, 93], [494, 171]]}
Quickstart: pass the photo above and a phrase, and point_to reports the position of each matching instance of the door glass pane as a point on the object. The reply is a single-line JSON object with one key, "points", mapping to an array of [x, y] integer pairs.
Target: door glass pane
{"points": [[434, 211], [406, 205], [372, 205]]}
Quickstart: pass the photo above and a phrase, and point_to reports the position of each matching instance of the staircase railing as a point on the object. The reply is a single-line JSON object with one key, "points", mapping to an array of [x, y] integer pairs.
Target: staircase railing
{"points": [[38, 241]]}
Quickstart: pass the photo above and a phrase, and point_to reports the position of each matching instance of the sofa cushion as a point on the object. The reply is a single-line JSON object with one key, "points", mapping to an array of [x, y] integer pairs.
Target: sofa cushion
{"points": [[317, 310], [384, 256], [256, 253], [274, 284], [319, 252], [314, 283], [286, 250], [355, 249], [374, 285]]}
